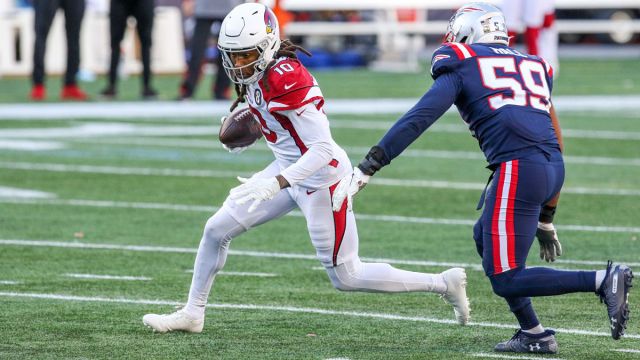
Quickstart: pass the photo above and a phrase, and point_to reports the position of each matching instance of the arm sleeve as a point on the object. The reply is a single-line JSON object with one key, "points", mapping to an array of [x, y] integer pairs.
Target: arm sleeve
{"points": [[312, 127], [429, 108]]}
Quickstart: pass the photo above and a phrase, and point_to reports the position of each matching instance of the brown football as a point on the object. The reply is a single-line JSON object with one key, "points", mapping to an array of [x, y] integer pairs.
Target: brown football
{"points": [[240, 129]]}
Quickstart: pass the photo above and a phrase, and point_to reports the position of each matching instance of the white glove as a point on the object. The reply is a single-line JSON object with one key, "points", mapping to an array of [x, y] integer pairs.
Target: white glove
{"points": [[550, 247], [235, 150], [349, 186], [256, 189]]}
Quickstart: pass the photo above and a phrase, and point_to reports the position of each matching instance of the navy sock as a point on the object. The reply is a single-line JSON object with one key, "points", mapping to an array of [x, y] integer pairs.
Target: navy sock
{"points": [[540, 281], [523, 310]]}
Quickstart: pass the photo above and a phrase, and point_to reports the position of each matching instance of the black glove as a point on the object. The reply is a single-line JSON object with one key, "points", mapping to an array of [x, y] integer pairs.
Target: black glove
{"points": [[550, 247]]}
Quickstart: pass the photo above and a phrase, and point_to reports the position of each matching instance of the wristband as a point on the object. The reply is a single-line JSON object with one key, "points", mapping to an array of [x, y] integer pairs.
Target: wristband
{"points": [[546, 214], [373, 162]]}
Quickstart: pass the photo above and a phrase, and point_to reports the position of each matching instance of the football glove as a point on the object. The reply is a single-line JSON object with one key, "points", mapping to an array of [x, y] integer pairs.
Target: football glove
{"points": [[550, 247], [256, 189], [347, 187], [235, 150]]}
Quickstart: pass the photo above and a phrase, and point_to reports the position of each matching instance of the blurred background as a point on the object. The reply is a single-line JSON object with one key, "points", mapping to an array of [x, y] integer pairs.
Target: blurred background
{"points": [[380, 35]]}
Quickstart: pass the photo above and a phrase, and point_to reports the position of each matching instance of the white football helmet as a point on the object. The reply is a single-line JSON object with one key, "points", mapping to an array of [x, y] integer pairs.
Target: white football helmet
{"points": [[477, 23], [249, 26]]}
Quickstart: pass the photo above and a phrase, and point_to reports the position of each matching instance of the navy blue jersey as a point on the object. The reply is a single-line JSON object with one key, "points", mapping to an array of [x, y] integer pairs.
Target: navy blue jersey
{"points": [[502, 95]]}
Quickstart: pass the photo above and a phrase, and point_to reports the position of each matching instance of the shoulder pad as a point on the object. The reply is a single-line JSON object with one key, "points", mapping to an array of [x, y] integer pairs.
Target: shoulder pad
{"points": [[285, 76], [448, 57], [289, 86]]}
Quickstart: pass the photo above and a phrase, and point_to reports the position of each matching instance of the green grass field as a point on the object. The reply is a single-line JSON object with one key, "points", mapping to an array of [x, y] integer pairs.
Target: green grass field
{"points": [[134, 205]]}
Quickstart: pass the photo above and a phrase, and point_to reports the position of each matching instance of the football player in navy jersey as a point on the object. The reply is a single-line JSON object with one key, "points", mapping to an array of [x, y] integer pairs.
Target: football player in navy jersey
{"points": [[504, 98]]}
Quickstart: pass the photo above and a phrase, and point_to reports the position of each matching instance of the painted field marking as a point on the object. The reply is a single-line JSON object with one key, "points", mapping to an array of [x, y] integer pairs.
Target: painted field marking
{"points": [[207, 109], [137, 171], [11, 192], [261, 254], [499, 356], [10, 282], [242, 273], [293, 309], [363, 217], [108, 277], [632, 351]]}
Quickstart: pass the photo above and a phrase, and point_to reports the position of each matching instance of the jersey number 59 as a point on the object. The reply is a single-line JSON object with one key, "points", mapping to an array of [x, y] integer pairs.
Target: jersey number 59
{"points": [[537, 92]]}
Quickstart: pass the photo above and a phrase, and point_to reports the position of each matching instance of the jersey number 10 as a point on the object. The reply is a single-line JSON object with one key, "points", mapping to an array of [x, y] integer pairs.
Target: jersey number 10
{"points": [[537, 92]]}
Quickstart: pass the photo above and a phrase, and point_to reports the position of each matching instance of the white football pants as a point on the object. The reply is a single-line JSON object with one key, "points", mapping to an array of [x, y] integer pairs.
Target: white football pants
{"points": [[334, 236]]}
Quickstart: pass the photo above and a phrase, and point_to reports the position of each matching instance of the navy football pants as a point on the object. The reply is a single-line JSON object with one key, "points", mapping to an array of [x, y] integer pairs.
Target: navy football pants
{"points": [[507, 227]]}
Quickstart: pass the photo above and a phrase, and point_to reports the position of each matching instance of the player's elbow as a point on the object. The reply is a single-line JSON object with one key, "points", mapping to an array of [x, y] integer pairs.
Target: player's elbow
{"points": [[323, 149]]}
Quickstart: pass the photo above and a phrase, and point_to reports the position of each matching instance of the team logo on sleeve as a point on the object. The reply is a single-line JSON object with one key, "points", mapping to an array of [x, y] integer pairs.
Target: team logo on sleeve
{"points": [[439, 57], [269, 20], [257, 97]]}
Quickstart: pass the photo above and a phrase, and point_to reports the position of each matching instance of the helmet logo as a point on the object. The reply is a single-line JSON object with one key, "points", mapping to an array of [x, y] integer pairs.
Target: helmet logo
{"points": [[269, 21]]}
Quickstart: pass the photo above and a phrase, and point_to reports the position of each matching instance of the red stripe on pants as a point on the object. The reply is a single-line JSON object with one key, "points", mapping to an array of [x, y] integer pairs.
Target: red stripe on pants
{"points": [[339, 223]]}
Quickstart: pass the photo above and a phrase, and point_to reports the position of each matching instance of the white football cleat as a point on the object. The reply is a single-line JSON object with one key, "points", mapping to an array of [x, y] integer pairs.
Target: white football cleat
{"points": [[177, 321], [456, 294]]}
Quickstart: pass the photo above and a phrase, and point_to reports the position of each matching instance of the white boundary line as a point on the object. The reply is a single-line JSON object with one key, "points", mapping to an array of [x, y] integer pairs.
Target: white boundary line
{"points": [[293, 309], [633, 351], [360, 217], [262, 254], [207, 109], [119, 170], [108, 277], [499, 356], [242, 273], [10, 282]]}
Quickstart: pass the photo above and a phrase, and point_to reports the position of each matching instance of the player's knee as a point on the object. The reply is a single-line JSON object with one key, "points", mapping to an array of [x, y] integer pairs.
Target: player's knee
{"points": [[345, 277], [220, 229], [502, 283]]}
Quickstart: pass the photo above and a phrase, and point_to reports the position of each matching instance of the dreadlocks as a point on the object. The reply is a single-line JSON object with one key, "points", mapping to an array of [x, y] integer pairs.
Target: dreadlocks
{"points": [[287, 49]]}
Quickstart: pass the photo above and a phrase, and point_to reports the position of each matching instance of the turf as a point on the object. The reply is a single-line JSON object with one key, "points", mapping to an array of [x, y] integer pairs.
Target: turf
{"points": [[296, 314]]}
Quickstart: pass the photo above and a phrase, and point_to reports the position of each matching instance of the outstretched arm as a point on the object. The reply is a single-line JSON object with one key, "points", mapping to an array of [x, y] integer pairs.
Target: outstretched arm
{"points": [[407, 129]]}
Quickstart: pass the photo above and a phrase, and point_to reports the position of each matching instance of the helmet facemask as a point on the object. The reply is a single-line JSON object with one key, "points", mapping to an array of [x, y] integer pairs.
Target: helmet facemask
{"points": [[249, 26]]}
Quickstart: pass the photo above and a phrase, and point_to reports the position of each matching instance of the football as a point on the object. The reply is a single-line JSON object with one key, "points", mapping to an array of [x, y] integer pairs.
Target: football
{"points": [[240, 129]]}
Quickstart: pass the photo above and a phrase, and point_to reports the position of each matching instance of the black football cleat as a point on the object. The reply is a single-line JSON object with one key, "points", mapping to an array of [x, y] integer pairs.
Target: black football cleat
{"points": [[614, 292], [522, 342]]}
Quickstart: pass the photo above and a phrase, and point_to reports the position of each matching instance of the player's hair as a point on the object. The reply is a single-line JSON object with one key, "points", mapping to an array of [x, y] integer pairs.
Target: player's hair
{"points": [[287, 49]]}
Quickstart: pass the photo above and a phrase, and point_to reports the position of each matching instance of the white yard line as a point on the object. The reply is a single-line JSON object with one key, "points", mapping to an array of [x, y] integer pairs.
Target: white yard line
{"points": [[10, 192], [262, 254], [243, 273], [28, 145], [10, 282], [499, 356], [436, 184], [208, 109], [292, 309], [108, 277], [90, 130], [631, 351], [361, 217]]}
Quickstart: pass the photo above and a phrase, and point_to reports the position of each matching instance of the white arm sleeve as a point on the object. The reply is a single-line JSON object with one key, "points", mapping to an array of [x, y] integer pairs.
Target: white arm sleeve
{"points": [[312, 126]]}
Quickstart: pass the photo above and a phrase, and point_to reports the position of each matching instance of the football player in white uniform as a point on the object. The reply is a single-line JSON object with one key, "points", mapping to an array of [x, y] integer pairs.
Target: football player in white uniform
{"points": [[536, 20], [285, 98]]}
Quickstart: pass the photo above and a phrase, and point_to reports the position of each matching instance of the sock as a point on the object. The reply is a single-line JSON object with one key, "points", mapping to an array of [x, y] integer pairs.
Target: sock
{"points": [[600, 274], [527, 317], [535, 330]]}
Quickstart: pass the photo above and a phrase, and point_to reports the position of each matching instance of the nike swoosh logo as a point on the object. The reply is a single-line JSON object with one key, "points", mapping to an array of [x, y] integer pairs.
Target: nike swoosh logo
{"points": [[287, 87], [311, 192], [300, 113]]}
